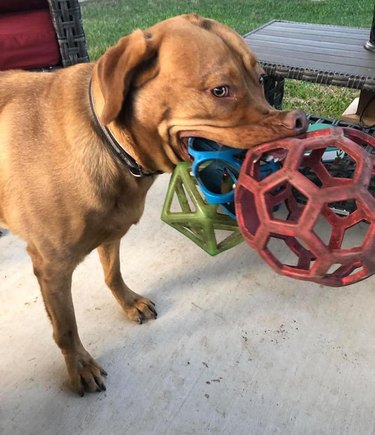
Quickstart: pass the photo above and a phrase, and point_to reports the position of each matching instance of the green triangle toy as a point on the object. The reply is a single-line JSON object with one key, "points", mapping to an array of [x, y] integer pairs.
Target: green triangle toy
{"points": [[185, 210]]}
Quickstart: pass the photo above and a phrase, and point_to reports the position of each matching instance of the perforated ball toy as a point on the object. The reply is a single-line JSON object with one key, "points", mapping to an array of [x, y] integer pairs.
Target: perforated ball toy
{"points": [[309, 220]]}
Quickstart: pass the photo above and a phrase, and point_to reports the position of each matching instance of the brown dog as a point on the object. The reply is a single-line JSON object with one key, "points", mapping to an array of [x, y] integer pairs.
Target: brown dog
{"points": [[80, 147]]}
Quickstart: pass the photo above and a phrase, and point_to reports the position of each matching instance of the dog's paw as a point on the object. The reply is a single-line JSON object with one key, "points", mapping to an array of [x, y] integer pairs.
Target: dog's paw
{"points": [[139, 309], [85, 374]]}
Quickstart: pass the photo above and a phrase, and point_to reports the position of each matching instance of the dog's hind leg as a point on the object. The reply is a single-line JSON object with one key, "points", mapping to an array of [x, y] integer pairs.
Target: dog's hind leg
{"points": [[135, 306], [55, 283]]}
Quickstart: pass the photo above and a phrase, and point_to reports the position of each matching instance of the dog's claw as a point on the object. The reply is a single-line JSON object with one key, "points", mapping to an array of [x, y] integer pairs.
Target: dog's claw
{"points": [[101, 387], [85, 373], [152, 309], [140, 309]]}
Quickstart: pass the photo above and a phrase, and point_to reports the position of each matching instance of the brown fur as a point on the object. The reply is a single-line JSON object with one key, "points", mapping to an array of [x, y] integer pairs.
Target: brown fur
{"points": [[65, 194]]}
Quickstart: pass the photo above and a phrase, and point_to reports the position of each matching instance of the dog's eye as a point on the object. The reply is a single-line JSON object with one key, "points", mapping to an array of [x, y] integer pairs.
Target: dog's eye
{"points": [[261, 78], [220, 91]]}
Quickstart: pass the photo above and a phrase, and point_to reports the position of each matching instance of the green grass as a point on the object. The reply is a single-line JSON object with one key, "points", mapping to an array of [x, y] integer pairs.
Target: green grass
{"points": [[105, 21], [326, 101]]}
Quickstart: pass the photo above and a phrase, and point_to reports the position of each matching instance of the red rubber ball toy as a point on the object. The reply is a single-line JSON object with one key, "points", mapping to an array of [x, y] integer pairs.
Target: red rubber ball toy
{"points": [[294, 217]]}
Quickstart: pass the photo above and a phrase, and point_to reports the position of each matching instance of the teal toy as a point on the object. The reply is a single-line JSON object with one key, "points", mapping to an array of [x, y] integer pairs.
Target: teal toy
{"points": [[216, 169], [188, 212]]}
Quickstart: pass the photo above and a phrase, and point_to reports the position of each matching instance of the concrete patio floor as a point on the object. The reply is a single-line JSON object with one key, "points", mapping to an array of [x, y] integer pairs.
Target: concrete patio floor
{"points": [[236, 349]]}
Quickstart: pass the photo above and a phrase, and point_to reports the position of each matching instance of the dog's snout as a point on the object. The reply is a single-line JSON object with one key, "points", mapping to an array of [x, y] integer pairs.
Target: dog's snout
{"points": [[296, 121]]}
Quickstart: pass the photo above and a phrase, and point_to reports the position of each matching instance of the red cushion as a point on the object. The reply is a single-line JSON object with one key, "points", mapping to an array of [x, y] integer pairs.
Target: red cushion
{"points": [[28, 40], [22, 5]]}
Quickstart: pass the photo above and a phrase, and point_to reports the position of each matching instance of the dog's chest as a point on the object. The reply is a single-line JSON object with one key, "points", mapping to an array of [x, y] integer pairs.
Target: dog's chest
{"points": [[125, 208]]}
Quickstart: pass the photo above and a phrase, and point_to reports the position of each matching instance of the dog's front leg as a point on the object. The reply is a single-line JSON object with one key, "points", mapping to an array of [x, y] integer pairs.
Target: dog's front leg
{"points": [[55, 283], [135, 306]]}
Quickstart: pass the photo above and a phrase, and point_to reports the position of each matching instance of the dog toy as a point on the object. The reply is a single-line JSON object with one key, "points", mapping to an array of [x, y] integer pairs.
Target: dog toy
{"points": [[186, 210], [295, 218], [216, 169]]}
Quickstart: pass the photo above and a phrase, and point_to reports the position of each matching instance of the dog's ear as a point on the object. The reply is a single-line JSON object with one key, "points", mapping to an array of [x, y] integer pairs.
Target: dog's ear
{"points": [[117, 67]]}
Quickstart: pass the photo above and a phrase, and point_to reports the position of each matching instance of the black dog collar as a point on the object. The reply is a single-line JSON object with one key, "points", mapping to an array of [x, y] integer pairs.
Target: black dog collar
{"points": [[119, 152]]}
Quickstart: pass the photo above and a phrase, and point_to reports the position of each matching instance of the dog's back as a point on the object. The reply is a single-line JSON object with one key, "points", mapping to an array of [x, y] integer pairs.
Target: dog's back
{"points": [[33, 129]]}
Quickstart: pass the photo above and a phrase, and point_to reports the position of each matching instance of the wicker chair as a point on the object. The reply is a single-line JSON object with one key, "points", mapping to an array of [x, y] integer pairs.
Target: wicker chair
{"points": [[67, 20], [41, 34], [274, 91]]}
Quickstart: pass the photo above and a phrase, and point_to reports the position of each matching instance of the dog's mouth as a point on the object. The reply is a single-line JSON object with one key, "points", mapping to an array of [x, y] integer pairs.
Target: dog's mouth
{"points": [[184, 140], [183, 143]]}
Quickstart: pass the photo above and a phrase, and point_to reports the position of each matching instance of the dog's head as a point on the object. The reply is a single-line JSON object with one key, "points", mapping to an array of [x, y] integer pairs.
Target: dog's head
{"points": [[187, 77]]}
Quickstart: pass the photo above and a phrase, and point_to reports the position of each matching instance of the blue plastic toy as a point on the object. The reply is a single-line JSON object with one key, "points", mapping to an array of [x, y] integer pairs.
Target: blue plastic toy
{"points": [[216, 169]]}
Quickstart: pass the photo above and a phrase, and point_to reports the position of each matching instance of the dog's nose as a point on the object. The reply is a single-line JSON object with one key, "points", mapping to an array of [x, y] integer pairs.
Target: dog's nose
{"points": [[296, 120]]}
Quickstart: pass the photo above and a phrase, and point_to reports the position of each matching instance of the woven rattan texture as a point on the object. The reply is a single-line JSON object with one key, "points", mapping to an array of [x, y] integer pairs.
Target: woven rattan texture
{"points": [[274, 90], [67, 20]]}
